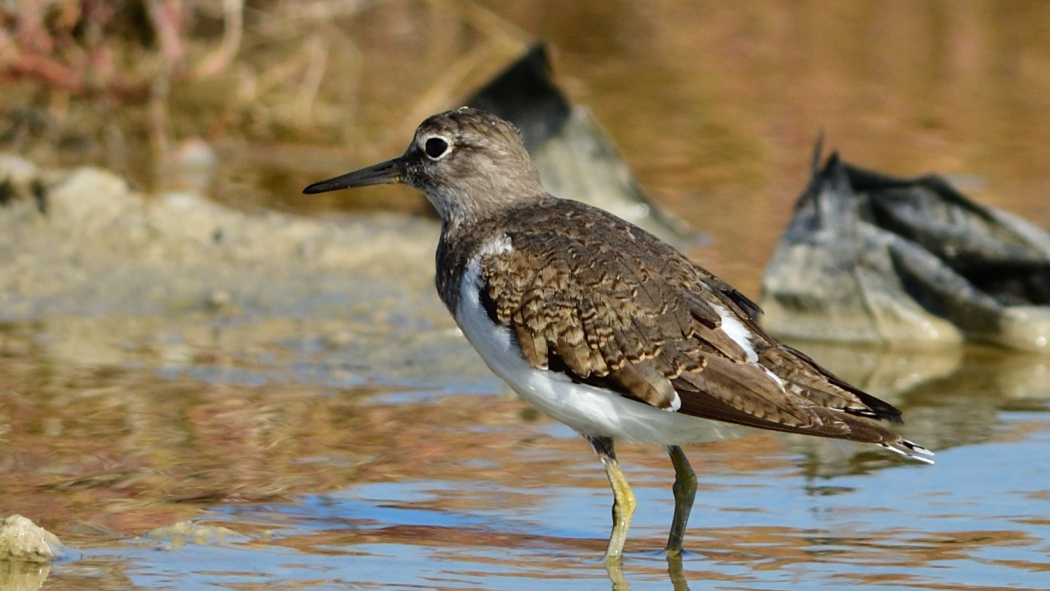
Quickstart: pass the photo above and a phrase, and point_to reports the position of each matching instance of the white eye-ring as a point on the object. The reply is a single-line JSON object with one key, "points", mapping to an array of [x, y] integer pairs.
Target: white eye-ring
{"points": [[436, 147]]}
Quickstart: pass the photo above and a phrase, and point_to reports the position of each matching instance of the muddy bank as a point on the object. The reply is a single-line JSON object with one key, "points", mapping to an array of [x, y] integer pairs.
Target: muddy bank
{"points": [[109, 275]]}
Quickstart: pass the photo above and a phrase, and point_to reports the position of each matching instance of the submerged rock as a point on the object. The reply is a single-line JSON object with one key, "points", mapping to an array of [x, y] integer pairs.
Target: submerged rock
{"points": [[183, 533], [870, 258]]}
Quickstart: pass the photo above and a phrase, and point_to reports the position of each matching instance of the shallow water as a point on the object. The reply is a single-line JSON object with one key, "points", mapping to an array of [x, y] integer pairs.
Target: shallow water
{"points": [[326, 445], [453, 484]]}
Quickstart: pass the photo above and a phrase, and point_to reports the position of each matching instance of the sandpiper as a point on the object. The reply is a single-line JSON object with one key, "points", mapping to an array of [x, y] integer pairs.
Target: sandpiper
{"points": [[600, 324]]}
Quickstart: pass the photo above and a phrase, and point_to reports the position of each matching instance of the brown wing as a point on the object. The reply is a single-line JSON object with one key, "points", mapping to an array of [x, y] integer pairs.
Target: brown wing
{"points": [[612, 306]]}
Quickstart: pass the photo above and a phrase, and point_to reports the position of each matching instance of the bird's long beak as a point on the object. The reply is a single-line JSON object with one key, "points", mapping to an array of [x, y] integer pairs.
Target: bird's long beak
{"points": [[377, 174]]}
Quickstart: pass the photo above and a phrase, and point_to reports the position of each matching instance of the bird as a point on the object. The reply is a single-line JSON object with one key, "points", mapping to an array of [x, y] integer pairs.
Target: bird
{"points": [[600, 324]]}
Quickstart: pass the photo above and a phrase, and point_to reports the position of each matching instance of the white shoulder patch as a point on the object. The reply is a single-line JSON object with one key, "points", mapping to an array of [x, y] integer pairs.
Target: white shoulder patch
{"points": [[499, 245], [736, 331]]}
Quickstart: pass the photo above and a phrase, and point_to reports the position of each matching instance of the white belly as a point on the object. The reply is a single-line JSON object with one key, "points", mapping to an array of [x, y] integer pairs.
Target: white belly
{"points": [[588, 410]]}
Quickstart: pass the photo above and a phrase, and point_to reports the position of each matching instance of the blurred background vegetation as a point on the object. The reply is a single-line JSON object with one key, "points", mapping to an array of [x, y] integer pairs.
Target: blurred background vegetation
{"points": [[128, 83]]}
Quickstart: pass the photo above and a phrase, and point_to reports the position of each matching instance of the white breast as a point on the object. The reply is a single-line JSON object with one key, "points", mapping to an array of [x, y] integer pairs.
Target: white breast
{"points": [[586, 409]]}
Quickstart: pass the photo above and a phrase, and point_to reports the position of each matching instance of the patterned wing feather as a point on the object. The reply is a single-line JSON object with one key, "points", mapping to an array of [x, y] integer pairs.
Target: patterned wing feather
{"points": [[610, 305]]}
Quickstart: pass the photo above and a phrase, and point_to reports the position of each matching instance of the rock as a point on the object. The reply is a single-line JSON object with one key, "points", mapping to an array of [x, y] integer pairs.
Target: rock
{"points": [[23, 541], [870, 258], [191, 166], [20, 182]]}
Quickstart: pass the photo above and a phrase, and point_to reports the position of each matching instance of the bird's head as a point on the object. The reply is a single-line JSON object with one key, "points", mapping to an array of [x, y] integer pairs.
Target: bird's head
{"points": [[469, 163]]}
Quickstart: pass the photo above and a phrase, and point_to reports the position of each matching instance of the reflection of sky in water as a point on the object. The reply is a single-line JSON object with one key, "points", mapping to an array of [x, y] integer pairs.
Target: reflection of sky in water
{"points": [[975, 520]]}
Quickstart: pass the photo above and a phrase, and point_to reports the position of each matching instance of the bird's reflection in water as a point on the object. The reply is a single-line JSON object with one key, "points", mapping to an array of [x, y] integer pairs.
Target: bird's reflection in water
{"points": [[674, 570]]}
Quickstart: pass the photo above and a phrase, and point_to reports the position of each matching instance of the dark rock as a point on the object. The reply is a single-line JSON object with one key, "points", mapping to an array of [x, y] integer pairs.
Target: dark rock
{"points": [[871, 258]]}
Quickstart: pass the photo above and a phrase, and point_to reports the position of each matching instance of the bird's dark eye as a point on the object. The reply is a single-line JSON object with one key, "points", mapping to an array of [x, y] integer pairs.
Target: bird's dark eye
{"points": [[435, 147]]}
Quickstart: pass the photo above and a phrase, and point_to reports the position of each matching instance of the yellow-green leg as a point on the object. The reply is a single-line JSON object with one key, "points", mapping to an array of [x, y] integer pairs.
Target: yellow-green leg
{"points": [[684, 494], [623, 498]]}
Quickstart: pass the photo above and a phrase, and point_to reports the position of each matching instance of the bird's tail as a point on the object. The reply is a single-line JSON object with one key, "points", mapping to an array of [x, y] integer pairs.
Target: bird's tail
{"points": [[910, 450]]}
